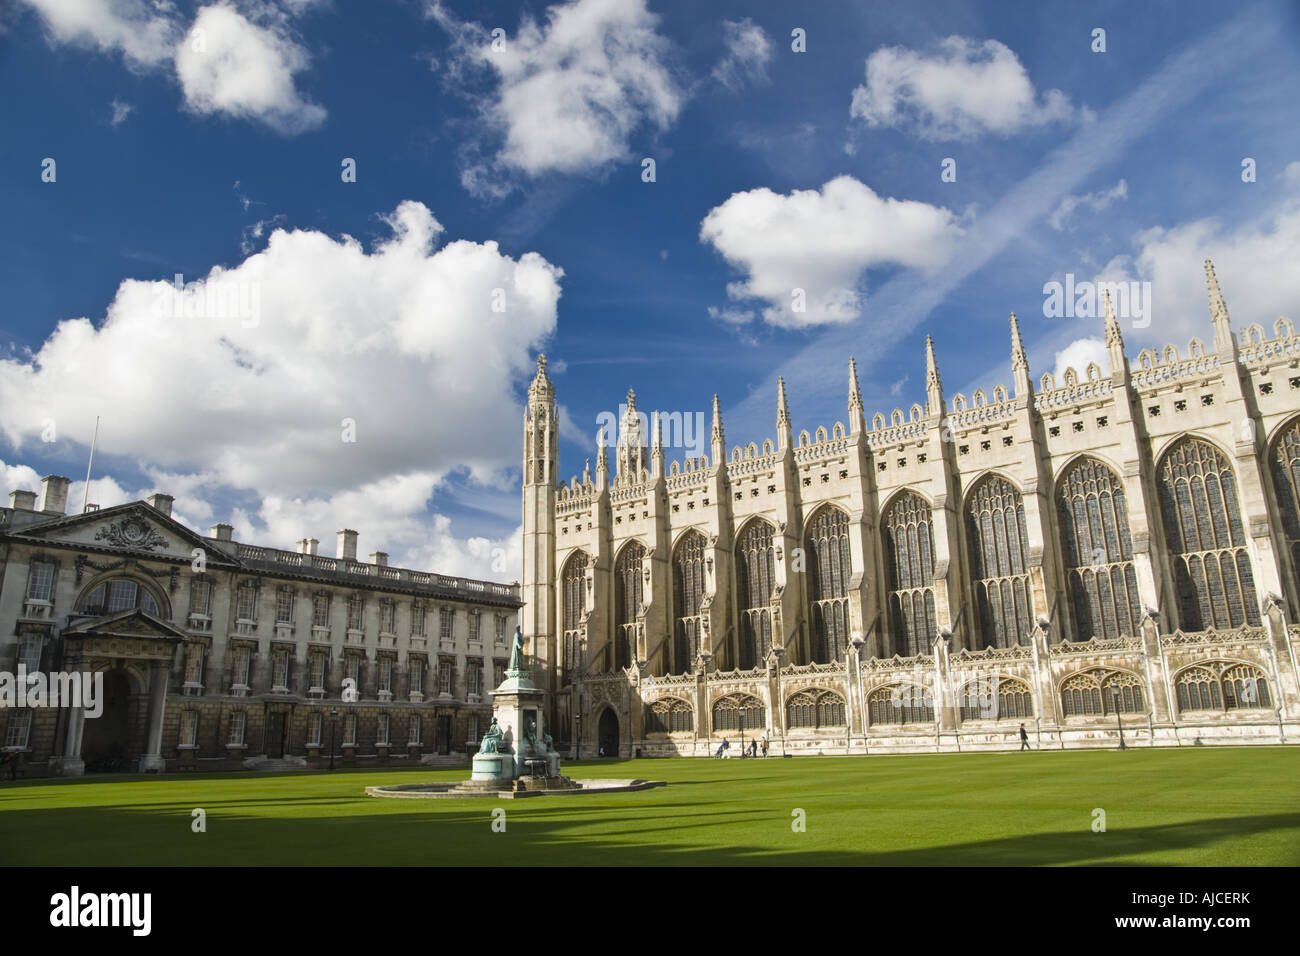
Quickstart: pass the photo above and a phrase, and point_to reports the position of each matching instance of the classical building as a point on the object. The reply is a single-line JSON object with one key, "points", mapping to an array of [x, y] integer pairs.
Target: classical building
{"points": [[216, 654], [1113, 550]]}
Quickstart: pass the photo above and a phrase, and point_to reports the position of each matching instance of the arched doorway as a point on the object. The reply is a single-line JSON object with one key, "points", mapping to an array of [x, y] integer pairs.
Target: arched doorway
{"points": [[607, 733], [106, 745]]}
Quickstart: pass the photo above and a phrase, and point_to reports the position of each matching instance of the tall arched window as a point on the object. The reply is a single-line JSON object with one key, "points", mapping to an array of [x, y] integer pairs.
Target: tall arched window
{"points": [[573, 604], [1098, 551], [688, 595], [1286, 483], [1202, 518], [829, 567], [627, 601], [755, 573], [996, 698], [909, 572], [999, 545]]}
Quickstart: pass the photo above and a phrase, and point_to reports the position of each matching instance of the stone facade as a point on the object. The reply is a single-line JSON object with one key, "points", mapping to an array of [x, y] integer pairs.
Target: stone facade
{"points": [[1115, 550], [215, 653]]}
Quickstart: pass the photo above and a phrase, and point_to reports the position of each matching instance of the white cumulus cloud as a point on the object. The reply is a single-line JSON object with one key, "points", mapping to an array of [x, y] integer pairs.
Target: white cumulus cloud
{"points": [[232, 60], [819, 243], [231, 66], [961, 90], [1254, 261], [568, 93], [257, 378]]}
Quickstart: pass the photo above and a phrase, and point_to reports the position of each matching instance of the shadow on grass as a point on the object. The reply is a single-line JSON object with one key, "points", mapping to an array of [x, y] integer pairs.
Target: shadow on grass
{"points": [[93, 836]]}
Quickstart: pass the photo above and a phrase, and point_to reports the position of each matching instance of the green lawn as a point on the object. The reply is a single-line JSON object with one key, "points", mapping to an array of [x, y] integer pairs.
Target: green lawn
{"points": [[1193, 806]]}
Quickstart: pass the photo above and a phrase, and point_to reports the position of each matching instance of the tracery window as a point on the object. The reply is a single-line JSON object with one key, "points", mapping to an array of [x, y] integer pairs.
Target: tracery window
{"points": [[573, 604], [1097, 693], [998, 698], [1098, 552], [739, 712], [909, 570], [1202, 519], [755, 575], [829, 568], [627, 602], [1220, 685], [669, 715], [813, 709], [900, 704], [688, 596], [999, 545], [1286, 483]]}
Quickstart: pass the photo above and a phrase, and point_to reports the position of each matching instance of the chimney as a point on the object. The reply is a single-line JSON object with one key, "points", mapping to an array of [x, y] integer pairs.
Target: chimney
{"points": [[161, 502], [22, 500], [379, 558], [222, 532], [308, 546], [347, 545], [54, 495]]}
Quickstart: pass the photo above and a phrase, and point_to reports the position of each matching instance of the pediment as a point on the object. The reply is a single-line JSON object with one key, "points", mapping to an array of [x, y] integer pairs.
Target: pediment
{"points": [[133, 623], [134, 528]]}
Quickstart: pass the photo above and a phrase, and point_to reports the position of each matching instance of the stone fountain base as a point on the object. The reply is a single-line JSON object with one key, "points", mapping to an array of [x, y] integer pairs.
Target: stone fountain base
{"points": [[516, 789]]}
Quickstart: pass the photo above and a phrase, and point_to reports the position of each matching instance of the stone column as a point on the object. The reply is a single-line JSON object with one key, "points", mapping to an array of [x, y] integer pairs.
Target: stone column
{"points": [[71, 764], [151, 760]]}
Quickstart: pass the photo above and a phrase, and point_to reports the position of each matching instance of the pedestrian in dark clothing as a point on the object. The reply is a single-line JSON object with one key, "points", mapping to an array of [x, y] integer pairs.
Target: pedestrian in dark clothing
{"points": [[1024, 738]]}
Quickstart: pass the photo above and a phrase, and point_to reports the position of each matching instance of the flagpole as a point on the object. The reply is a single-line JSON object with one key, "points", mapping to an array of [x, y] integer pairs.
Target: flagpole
{"points": [[85, 499]]}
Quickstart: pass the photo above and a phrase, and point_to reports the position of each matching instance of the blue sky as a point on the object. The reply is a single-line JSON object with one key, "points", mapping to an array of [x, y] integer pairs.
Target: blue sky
{"points": [[184, 135]]}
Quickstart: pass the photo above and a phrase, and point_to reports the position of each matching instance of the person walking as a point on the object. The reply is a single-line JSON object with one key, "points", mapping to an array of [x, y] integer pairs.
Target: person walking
{"points": [[765, 745], [1024, 738]]}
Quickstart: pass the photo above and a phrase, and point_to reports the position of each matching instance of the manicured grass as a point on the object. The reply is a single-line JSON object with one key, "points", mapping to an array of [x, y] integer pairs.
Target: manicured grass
{"points": [[1193, 806]]}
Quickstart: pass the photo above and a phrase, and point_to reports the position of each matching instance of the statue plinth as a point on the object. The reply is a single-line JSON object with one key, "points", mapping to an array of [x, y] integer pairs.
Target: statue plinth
{"points": [[517, 745]]}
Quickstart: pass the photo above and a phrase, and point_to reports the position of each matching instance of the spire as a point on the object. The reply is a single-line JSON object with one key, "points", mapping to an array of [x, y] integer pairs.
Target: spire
{"points": [[1019, 361], [602, 461], [857, 418], [1114, 338], [657, 455], [719, 438], [541, 387], [782, 416], [933, 384], [1218, 311]]}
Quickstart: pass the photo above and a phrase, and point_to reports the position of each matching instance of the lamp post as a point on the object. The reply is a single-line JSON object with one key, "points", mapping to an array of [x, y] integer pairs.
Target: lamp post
{"points": [[577, 744], [742, 731], [1119, 723], [334, 719]]}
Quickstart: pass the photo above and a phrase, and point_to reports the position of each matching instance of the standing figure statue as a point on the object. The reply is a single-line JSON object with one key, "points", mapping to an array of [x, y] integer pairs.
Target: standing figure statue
{"points": [[516, 667]]}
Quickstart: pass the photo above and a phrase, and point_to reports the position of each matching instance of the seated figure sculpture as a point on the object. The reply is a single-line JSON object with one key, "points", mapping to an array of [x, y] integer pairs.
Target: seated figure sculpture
{"points": [[492, 739]]}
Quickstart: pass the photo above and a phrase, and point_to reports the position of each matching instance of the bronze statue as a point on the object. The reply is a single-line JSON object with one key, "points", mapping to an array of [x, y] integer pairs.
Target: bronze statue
{"points": [[492, 739], [516, 667]]}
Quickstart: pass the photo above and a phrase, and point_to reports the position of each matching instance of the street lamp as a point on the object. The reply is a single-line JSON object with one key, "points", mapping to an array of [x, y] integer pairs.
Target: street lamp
{"points": [[577, 744], [742, 730], [334, 719], [1119, 723]]}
